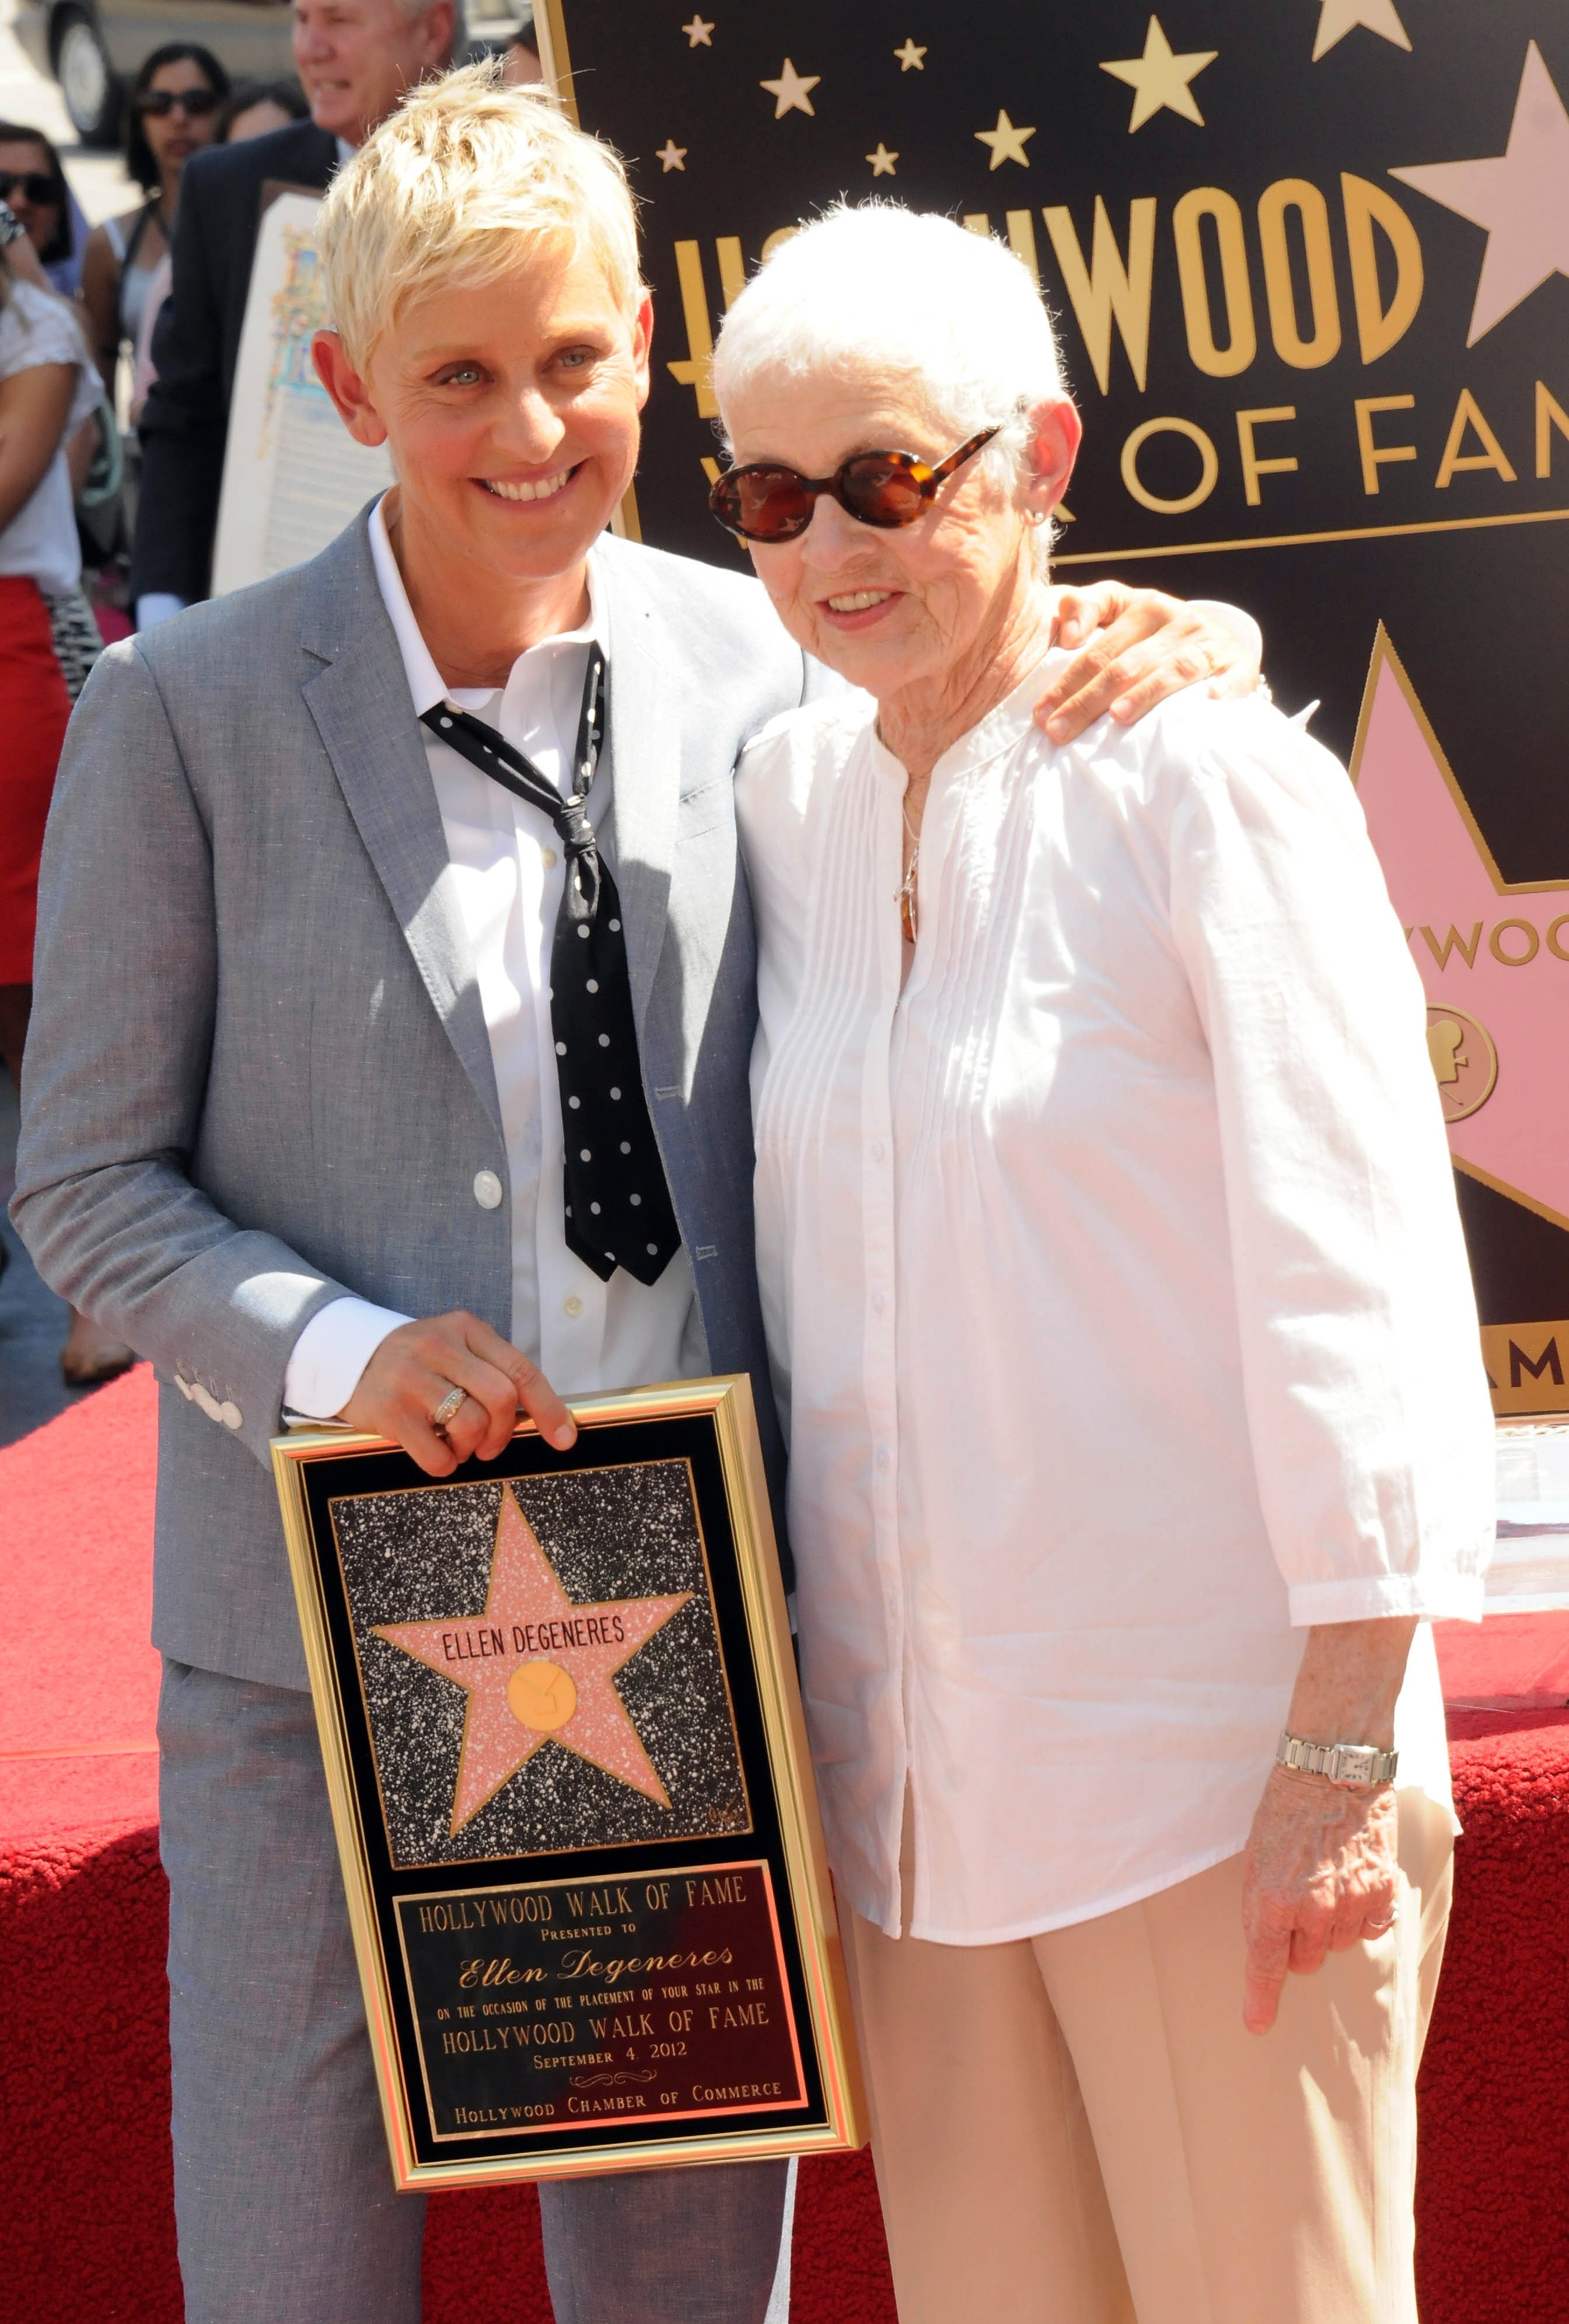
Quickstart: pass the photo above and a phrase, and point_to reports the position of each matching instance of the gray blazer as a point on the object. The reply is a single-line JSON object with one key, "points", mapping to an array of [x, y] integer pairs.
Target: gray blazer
{"points": [[258, 1073]]}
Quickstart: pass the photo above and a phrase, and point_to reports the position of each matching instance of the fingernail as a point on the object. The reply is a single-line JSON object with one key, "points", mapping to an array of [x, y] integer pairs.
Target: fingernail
{"points": [[1057, 727]]}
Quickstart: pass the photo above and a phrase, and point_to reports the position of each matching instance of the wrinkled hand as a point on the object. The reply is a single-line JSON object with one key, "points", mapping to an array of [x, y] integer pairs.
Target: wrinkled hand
{"points": [[419, 1364], [1139, 647], [1319, 1874]]}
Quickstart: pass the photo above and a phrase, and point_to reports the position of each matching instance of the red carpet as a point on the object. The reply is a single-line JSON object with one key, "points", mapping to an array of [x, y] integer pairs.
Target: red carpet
{"points": [[84, 2201]]}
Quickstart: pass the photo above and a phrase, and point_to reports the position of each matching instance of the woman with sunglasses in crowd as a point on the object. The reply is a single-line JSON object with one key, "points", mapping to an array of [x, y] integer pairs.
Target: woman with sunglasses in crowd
{"points": [[1120, 1320], [32, 186], [174, 109]]}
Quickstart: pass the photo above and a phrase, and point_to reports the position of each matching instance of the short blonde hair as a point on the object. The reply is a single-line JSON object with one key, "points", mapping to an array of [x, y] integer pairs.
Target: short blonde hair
{"points": [[443, 190]]}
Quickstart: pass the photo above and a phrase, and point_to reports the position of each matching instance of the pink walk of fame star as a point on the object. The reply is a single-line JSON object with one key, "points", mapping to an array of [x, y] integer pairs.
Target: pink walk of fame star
{"points": [[1494, 952], [538, 1668]]}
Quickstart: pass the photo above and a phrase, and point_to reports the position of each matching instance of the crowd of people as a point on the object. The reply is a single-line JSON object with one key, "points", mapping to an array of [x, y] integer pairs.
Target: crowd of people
{"points": [[1028, 1084]]}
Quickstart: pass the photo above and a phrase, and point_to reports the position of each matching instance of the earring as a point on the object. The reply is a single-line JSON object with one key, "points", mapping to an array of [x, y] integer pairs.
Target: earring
{"points": [[1036, 516]]}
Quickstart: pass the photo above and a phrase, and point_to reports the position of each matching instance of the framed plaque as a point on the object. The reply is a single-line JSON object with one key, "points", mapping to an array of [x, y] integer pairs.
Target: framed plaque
{"points": [[563, 1746]]}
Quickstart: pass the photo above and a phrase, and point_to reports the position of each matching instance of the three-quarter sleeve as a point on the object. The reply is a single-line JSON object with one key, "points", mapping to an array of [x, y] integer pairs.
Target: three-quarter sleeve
{"points": [[1366, 1398]]}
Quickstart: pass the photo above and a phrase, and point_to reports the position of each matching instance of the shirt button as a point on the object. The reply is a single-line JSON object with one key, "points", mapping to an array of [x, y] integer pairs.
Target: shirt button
{"points": [[878, 1302], [487, 1190], [547, 857], [572, 1303], [882, 1456], [879, 1151]]}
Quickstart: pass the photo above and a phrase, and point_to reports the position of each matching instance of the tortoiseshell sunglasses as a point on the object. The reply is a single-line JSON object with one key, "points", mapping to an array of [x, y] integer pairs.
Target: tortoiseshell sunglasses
{"points": [[766, 502]]}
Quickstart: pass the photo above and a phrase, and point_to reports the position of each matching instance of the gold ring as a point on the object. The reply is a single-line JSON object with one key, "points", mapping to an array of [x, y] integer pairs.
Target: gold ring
{"points": [[451, 1405]]}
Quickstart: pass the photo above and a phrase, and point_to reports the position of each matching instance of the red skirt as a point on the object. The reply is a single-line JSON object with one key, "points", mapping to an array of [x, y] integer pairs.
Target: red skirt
{"points": [[35, 708]]}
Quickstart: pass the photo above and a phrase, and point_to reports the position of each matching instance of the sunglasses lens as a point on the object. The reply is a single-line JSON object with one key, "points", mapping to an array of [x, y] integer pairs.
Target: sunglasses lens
{"points": [[192, 102], [883, 491], [33, 187], [762, 504]]}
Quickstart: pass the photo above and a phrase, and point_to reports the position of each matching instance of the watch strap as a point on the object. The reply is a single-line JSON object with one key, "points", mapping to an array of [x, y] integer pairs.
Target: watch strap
{"points": [[1360, 1764]]}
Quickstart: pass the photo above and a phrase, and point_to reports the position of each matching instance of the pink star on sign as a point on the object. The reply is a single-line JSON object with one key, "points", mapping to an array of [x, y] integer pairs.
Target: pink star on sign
{"points": [[1498, 955], [537, 1668]]}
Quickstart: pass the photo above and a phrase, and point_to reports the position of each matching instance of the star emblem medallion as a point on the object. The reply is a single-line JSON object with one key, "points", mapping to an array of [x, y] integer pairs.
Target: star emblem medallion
{"points": [[536, 1667]]}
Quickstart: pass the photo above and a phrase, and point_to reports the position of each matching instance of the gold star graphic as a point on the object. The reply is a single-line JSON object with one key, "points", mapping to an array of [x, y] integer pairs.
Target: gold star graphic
{"points": [[1007, 143], [672, 155], [698, 35], [790, 90], [1338, 17], [911, 58], [1160, 79], [882, 161]]}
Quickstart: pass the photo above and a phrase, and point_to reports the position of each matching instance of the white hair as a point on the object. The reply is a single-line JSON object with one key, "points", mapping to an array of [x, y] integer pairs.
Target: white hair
{"points": [[907, 300]]}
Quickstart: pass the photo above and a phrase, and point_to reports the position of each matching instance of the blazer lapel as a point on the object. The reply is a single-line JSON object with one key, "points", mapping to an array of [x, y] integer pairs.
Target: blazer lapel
{"points": [[645, 756], [359, 699]]}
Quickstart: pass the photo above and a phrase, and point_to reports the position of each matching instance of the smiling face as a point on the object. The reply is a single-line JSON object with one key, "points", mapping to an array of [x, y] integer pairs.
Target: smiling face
{"points": [[355, 57], [510, 409], [893, 610]]}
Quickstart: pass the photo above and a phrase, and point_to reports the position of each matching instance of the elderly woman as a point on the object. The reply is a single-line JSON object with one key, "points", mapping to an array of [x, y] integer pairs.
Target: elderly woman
{"points": [[1119, 1313]]}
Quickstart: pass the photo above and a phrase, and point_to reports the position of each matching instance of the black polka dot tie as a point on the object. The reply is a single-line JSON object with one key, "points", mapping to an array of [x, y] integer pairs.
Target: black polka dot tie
{"points": [[617, 1206]]}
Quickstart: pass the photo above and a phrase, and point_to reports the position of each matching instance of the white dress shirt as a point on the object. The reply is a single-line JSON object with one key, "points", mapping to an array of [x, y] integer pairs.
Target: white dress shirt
{"points": [[586, 1335], [1115, 1287]]}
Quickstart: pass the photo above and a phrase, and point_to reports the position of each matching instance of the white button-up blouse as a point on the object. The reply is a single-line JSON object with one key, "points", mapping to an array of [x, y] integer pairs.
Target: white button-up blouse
{"points": [[1114, 1285]]}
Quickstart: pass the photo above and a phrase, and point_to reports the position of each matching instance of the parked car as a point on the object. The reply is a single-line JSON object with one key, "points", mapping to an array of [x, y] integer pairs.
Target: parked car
{"points": [[93, 47]]}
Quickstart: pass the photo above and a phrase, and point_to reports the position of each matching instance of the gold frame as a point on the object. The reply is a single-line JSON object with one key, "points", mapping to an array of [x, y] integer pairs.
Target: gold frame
{"points": [[831, 2033]]}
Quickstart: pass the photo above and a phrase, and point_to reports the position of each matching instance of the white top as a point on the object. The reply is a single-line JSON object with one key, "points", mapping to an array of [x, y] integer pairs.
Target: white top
{"points": [[1115, 1290], [587, 1336], [40, 540]]}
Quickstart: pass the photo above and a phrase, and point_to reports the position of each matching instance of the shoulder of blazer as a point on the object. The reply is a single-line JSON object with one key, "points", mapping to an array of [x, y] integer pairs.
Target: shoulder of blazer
{"points": [[678, 592], [230, 177], [276, 632]]}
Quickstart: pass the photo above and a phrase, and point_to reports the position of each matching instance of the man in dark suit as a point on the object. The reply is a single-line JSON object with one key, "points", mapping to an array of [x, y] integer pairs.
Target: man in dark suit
{"points": [[355, 57]]}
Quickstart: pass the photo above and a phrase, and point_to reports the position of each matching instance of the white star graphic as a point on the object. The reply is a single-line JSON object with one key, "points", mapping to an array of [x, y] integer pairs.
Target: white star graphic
{"points": [[1338, 17], [1159, 77], [1521, 198], [672, 155], [698, 35], [1007, 143], [881, 162], [790, 90], [911, 58]]}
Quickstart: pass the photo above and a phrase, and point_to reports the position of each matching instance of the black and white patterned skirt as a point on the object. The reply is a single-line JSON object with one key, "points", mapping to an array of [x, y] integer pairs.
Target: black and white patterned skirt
{"points": [[78, 641]]}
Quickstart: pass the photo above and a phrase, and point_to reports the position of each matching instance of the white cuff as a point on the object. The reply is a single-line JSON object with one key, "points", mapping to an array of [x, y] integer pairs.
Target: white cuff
{"points": [[1242, 626], [331, 1353], [157, 605], [1437, 1597]]}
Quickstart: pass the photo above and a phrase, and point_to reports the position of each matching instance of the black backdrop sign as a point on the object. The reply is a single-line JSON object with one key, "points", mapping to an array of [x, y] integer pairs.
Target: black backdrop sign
{"points": [[1308, 261]]}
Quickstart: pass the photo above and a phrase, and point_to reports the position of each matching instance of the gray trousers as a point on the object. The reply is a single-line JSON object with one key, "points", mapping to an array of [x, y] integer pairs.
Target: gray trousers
{"points": [[283, 2192]]}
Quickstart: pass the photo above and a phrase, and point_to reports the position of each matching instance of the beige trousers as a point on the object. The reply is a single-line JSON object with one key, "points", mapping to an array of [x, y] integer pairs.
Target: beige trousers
{"points": [[1075, 2129]]}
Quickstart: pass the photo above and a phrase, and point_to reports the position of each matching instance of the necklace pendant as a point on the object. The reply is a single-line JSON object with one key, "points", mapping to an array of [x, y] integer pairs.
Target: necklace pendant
{"points": [[907, 920]]}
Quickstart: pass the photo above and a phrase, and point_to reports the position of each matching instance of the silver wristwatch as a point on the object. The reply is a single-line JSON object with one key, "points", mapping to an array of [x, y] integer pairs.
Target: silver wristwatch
{"points": [[1360, 1764]]}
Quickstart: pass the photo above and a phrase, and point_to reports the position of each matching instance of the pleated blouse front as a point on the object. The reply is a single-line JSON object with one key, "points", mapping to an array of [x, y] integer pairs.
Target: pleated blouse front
{"points": [[1117, 1300]]}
